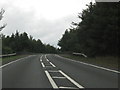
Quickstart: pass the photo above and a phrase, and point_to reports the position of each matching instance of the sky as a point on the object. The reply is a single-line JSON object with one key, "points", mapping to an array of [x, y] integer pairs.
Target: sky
{"points": [[46, 20], [107, 0]]}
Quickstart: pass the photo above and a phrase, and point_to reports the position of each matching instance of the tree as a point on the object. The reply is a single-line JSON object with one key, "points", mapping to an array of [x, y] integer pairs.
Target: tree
{"points": [[63, 42], [1, 27], [1, 16], [50, 49], [22, 43], [98, 32]]}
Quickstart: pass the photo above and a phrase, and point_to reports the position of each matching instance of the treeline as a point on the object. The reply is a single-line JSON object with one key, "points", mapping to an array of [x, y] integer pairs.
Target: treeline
{"points": [[97, 34], [22, 43]]}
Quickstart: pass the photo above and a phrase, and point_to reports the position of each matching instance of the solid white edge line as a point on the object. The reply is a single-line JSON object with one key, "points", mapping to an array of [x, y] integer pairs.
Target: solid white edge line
{"points": [[46, 58], [91, 65], [43, 64], [15, 61], [51, 80], [70, 79], [101, 67], [52, 64]]}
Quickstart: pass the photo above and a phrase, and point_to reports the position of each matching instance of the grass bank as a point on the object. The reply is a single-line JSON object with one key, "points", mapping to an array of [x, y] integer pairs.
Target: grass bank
{"points": [[11, 58], [107, 62]]}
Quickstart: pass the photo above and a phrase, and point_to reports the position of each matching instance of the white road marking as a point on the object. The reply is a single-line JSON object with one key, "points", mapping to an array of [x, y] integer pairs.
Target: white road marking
{"points": [[70, 79], [15, 61], [49, 61], [100, 67], [91, 65], [51, 80], [52, 71], [46, 58], [64, 76], [52, 64], [41, 58], [49, 66], [67, 87], [58, 77], [43, 64]]}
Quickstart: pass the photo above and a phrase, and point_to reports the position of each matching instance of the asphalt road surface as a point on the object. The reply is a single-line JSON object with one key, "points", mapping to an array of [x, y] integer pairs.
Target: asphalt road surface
{"points": [[53, 71]]}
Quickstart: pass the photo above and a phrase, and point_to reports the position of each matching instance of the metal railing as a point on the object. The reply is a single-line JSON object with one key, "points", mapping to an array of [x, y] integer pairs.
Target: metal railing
{"points": [[79, 54], [7, 55]]}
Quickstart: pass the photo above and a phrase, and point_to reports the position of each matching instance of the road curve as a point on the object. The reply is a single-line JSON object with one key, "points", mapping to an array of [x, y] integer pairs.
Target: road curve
{"points": [[52, 71]]}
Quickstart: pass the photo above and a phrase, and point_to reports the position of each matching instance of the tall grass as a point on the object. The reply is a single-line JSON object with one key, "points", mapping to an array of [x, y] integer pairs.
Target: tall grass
{"points": [[108, 61], [12, 58]]}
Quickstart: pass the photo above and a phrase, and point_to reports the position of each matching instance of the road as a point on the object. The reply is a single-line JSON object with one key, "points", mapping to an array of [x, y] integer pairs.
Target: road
{"points": [[53, 71]]}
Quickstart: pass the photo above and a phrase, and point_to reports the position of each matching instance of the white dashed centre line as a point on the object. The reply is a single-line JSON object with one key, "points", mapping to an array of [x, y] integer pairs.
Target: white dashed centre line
{"points": [[41, 58], [52, 82]]}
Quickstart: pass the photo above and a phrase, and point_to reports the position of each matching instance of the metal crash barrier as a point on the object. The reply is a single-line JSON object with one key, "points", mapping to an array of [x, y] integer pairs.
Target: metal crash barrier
{"points": [[7, 55], [79, 54]]}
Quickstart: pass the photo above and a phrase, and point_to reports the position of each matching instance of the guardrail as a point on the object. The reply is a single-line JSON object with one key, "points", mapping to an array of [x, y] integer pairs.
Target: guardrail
{"points": [[7, 55], [79, 54]]}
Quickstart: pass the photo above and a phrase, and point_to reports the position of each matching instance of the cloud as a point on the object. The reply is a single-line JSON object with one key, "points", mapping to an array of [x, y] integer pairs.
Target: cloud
{"points": [[107, 0], [47, 24], [46, 30]]}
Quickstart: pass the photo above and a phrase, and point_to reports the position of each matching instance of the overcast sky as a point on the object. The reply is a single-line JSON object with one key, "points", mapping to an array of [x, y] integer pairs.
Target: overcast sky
{"points": [[46, 20], [107, 0]]}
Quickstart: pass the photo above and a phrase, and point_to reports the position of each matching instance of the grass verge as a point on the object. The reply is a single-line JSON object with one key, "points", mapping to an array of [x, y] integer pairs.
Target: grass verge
{"points": [[107, 62], [11, 58]]}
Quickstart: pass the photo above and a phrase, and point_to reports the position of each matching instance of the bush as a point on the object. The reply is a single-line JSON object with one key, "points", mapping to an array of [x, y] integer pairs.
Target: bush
{"points": [[6, 50]]}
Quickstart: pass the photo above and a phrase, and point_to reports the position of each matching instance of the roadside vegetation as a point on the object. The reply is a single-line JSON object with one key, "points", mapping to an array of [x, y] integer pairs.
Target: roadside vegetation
{"points": [[107, 62], [97, 33], [11, 58], [23, 45], [22, 42]]}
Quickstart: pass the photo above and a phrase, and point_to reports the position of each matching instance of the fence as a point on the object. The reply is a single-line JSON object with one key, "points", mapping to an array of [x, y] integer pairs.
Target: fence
{"points": [[7, 55], [79, 54]]}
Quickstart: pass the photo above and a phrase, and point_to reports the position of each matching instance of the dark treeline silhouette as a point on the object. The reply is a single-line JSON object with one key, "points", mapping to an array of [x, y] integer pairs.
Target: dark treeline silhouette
{"points": [[21, 43], [97, 34]]}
